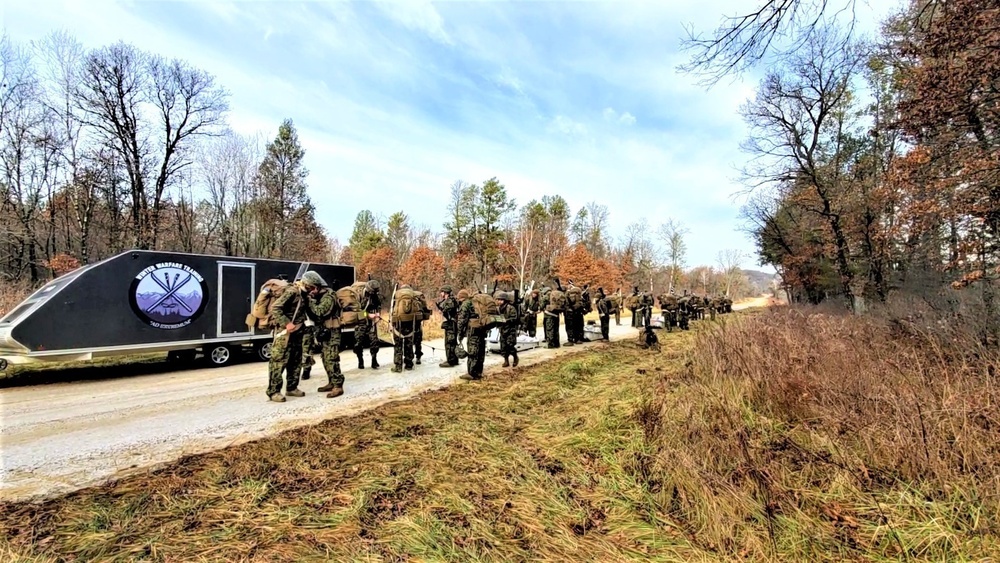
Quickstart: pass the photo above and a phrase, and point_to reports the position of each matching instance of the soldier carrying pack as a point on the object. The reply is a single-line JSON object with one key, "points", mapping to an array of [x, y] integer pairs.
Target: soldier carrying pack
{"points": [[260, 313], [487, 312]]}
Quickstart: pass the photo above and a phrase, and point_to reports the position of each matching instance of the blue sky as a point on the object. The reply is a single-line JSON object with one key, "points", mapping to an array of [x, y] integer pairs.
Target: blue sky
{"points": [[405, 97]]}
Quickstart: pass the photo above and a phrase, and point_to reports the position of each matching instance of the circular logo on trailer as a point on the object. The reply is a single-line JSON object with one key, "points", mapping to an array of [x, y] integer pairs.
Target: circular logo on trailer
{"points": [[168, 295]]}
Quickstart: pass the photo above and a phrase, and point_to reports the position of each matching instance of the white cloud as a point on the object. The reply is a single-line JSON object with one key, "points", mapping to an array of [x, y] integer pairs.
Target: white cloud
{"points": [[627, 118], [419, 15]]}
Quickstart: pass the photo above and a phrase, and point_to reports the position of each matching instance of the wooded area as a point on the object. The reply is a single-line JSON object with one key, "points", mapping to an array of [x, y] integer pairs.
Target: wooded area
{"points": [[876, 164], [112, 148]]}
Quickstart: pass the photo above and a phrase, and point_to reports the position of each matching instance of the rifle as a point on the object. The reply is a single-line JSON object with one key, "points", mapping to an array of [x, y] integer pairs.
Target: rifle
{"points": [[558, 285], [495, 282]]}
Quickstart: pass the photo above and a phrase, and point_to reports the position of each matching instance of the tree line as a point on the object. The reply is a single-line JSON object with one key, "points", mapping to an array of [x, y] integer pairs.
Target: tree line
{"points": [[874, 162], [113, 148]]}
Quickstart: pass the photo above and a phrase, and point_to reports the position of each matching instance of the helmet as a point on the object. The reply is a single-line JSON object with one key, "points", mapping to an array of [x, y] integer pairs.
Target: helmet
{"points": [[463, 294], [313, 279], [446, 289]]}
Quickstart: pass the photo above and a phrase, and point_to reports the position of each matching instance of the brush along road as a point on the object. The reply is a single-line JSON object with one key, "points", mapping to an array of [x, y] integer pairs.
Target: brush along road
{"points": [[62, 437]]}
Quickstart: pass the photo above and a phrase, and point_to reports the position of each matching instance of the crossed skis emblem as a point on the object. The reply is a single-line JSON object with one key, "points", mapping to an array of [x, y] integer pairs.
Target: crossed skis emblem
{"points": [[171, 289]]}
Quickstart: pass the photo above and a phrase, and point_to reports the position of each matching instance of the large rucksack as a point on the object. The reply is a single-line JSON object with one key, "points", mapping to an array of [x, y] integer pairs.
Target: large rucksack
{"points": [[487, 312], [405, 306], [574, 298], [557, 301], [350, 305], [425, 311], [260, 313]]}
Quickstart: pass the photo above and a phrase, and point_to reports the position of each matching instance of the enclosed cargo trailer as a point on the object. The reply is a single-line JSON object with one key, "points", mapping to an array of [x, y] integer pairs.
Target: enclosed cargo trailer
{"points": [[144, 301]]}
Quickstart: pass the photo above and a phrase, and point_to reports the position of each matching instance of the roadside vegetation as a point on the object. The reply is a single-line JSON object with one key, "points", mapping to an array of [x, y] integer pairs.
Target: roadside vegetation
{"points": [[781, 435]]}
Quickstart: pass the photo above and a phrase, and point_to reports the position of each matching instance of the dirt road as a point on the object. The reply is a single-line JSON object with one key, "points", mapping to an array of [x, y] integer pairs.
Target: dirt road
{"points": [[57, 438]]}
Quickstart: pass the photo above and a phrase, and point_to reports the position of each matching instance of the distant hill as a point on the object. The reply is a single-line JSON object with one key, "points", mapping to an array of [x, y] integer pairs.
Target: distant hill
{"points": [[760, 281]]}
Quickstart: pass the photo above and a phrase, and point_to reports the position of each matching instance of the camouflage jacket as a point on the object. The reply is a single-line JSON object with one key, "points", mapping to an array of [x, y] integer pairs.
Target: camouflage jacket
{"points": [[465, 312], [509, 313], [604, 306], [531, 304], [324, 306], [289, 307], [449, 309]]}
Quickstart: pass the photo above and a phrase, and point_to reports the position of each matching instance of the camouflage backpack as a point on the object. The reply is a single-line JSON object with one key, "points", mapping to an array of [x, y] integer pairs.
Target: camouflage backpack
{"points": [[350, 305], [557, 302], [425, 311], [405, 306], [260, 313], [487, 312], [574, 298]]}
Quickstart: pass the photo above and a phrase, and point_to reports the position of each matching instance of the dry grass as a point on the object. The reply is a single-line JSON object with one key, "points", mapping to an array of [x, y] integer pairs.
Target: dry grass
{"points": [[776, 436], [816, 437]]}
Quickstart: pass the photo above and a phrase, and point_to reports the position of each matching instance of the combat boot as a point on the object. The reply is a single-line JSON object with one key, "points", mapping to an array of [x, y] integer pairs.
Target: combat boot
{"points": [[361, 362], [295, 393], [278, 398], [325, 388], [506, 362], [396, 369], [417, 360], [305, 374], [515, 359], [374, 361], [335, 392], [445, 364]]}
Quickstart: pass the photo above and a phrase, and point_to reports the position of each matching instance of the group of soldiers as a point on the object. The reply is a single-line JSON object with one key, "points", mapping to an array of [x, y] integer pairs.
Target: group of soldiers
{"points": [[677, 310], [306, 321]]}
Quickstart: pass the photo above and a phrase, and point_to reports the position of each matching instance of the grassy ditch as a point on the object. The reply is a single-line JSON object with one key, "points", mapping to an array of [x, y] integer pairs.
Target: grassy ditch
{"points": [[766, 437]]}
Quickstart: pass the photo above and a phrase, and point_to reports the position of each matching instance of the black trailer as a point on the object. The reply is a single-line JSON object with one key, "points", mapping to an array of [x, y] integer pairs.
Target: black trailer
{"points": [[145, 301]]}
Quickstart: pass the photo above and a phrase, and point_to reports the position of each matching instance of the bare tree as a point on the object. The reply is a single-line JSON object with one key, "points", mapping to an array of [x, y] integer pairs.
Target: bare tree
{"points": [[779, 27], [121, 89], [227, 165], [672, 234], [730, 266], [798, 128]]}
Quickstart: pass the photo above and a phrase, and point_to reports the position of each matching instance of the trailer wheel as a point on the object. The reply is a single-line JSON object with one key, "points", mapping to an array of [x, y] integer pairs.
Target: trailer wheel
{"points": [[3, 364], [219, 355], [264, 351]]}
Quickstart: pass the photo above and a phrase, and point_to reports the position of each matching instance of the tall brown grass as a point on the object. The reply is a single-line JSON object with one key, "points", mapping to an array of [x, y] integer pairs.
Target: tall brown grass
{"points": [[823, 436]]}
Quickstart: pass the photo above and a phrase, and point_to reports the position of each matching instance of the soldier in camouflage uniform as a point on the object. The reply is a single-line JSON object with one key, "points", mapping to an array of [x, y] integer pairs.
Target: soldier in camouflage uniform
{"points": [[288, 315], [475, 340], [463, 297], [616, 306], [509, 329], [531, 309], [647, 311], [634, 303], [402, 342], [550, 321], [324, 308], [604, 306], [366, 333], [418, 333], [449, 310]]}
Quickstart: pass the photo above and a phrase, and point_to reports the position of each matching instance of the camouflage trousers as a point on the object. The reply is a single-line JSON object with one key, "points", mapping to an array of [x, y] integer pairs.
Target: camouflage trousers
{"points": [[402, 347], [476, 344], [286, 355], [330, 355], [712, 313], [450, 342], [530, 323], [418, 340], [618, 317], [551, 325], [605, 327], [508, 341], [635, 318], [365, 336], [308, 345]]}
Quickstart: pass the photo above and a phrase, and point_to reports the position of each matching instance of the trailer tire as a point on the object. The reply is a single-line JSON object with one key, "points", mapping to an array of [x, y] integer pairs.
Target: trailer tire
{"points": [[3, 364], [219, 355], [263, 351]]}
